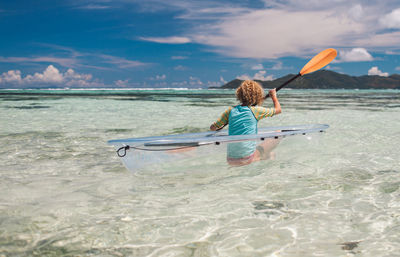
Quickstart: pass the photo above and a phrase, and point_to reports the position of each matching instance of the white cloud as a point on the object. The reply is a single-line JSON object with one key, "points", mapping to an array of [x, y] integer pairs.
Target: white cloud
{"points": [[11, 76], [375, 71], [243, 77], [355, 55], [304, 5], [179, 57], [275, 33], [122, 83], [180, 68], [121, 62], [71, 74], [161, 84], [257, 67], [66, 62], [398, 68], [356, 12], [222, 80], [159, 77], [127, 84], [76, 59], [167, 40], [94, 7], [51, 76], [336, 68], [213, 84], [391, 20], [219, 83], [180, 84], [260, 75], [194, 81], [388, 39], [277, 66], [209, 10]]}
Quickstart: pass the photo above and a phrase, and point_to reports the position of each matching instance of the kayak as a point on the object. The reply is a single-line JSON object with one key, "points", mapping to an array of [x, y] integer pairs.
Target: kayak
{"points": [[142, 151]]}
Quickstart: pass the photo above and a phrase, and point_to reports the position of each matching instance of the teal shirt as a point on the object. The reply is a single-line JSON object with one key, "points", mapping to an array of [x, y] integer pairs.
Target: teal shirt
{"points": [[242, 122]]}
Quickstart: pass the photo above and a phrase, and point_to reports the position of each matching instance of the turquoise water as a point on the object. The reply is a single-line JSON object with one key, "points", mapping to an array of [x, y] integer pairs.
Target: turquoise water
{"points": [[64, 192]]}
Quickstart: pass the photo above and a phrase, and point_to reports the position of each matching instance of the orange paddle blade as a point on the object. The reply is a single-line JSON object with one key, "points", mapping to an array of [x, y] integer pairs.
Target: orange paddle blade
{"points": [[319, 61]]}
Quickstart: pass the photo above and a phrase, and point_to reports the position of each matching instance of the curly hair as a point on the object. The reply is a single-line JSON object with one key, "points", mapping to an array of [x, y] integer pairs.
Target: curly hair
{"points": [[250, 93]]}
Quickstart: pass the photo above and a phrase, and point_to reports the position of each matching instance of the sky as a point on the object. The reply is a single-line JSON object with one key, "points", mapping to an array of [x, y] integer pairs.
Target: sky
{"points": [[189, 43]]}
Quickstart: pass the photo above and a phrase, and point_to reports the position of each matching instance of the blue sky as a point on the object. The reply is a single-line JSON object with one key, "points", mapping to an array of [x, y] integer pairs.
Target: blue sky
{"points": [[191, 44]]}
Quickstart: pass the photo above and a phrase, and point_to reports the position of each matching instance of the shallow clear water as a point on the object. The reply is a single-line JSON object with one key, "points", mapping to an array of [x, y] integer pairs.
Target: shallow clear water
{"points": [[64, 192]]}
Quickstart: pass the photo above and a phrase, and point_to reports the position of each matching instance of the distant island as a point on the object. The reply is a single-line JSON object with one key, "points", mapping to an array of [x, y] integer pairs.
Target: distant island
{"points": [[325, 79]]}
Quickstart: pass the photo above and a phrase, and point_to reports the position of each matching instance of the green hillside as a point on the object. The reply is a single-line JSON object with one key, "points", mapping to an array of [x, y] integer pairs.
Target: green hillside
{"points": [[325, 79]]}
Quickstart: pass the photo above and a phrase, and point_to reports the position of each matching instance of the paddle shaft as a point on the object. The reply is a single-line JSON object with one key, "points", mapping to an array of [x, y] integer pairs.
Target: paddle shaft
{"points": [[284, 84]]}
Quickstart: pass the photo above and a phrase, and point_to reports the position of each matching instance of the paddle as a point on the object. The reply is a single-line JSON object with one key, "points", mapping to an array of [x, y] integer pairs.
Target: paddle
{"points": [[317, 62]]}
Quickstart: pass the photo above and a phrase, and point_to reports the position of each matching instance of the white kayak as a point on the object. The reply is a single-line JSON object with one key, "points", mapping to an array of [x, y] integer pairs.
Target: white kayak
{"points": [[141, 151]]}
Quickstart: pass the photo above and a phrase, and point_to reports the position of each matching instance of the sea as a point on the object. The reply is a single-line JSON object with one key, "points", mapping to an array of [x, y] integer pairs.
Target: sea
{"points": [[65, 192]]}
